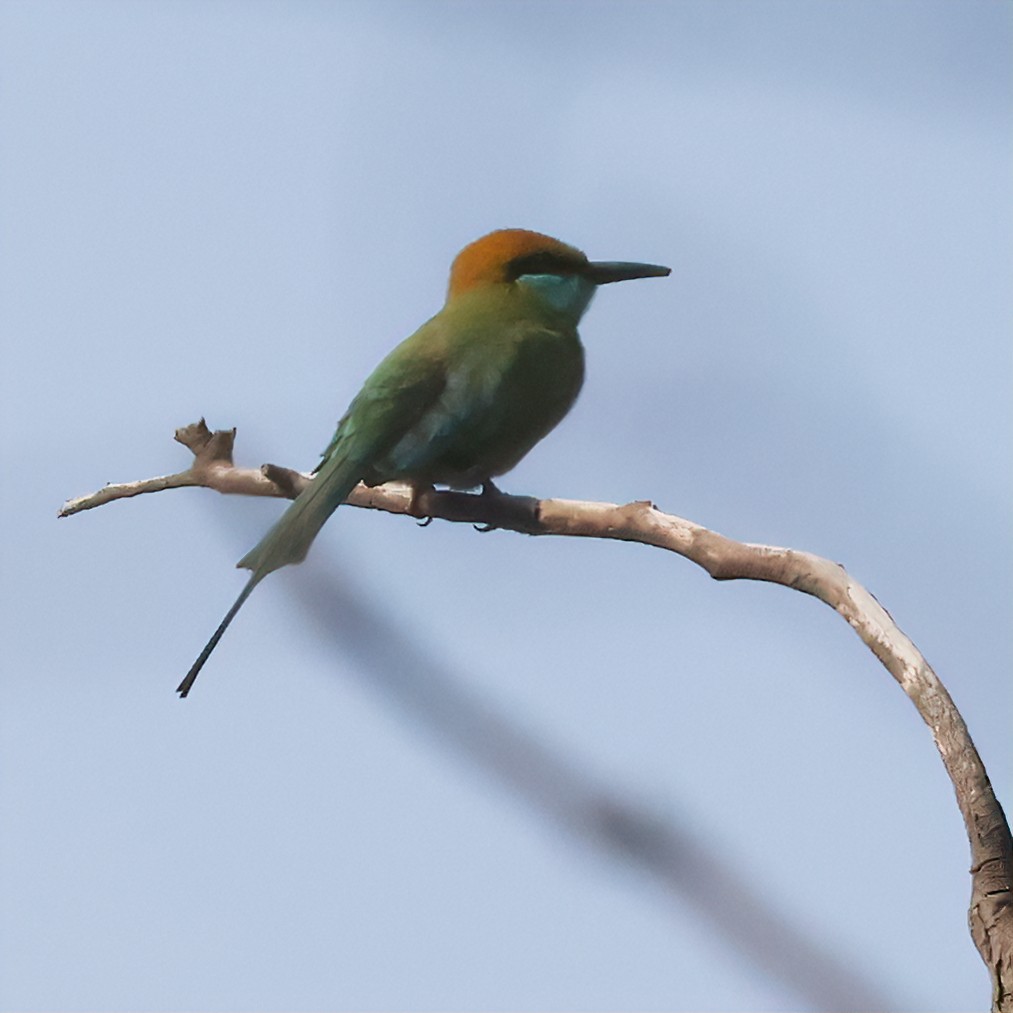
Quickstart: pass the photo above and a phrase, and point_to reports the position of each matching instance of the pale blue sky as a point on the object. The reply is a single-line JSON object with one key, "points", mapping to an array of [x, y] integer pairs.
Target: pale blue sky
{"points": [[234, 210]]}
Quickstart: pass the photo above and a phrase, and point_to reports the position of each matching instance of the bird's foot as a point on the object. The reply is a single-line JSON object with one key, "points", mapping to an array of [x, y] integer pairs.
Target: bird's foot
{"points": [[417, 506], [489, 494]]}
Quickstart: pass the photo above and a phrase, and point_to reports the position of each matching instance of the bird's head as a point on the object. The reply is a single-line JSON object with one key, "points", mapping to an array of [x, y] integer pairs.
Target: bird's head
{"points": [[560, 274]]}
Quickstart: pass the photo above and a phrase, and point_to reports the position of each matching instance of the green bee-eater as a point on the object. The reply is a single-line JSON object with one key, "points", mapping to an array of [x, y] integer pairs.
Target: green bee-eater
{"points": [[464, 398]]}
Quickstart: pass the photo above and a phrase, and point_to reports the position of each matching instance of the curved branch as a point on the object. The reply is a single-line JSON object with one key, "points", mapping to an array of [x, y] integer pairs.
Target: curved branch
{"points": [[991, 908]]}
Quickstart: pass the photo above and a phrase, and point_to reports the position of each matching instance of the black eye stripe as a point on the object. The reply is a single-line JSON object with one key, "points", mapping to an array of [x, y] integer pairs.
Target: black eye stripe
{"points": [[540, 263]]}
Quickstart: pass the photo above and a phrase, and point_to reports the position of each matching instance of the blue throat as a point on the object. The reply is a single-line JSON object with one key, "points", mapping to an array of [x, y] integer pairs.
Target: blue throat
{"points": [[570, 293]]}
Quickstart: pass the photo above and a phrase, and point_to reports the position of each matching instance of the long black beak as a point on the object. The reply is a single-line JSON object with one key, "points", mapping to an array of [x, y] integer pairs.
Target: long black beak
{"points": [[603, 272]]}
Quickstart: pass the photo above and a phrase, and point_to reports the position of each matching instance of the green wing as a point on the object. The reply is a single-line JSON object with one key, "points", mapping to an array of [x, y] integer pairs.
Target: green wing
{"points": [[397, 394]]}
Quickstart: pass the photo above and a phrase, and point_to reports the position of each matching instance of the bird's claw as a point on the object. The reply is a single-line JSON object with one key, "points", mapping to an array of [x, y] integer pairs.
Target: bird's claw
{"points": [[415, 506], [490, 491]]}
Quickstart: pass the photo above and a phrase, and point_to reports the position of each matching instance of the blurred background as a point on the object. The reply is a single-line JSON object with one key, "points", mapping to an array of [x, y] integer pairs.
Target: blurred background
{"points": [[235, 210]]}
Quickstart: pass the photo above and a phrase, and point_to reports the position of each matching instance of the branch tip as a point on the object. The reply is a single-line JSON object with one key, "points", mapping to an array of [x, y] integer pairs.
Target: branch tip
{"points": [[193, 436]]}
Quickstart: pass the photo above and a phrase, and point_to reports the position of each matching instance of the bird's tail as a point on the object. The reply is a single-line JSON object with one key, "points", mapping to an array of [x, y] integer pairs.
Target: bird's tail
{"points": [[184, 687], [293, 533], [289, 539]]}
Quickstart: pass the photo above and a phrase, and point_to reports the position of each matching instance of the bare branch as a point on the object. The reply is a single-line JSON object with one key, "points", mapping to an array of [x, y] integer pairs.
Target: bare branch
{"points": [[212, 468], [991, 909]]}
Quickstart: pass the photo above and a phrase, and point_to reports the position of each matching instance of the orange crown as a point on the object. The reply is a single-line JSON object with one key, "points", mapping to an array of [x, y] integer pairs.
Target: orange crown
{"points": [[489, 259]]}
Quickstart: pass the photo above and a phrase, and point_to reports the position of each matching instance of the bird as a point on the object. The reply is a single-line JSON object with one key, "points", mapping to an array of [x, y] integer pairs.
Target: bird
{"points": [[460, 401]]}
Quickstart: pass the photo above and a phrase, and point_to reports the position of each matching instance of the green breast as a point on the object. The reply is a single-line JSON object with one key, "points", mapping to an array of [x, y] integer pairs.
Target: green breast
{"points": [[512, 367]]}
